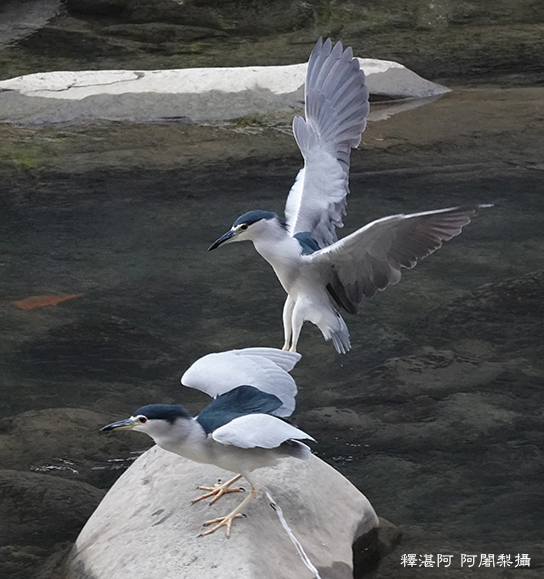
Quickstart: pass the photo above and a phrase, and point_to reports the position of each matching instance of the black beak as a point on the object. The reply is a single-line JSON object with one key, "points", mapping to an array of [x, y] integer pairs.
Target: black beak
{"points": [[224, 238], [127, 424]]}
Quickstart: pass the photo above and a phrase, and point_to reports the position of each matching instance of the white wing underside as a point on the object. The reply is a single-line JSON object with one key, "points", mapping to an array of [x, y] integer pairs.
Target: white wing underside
{"points": [[336, 110], [263, 368], [257, 431], [371, 258]]}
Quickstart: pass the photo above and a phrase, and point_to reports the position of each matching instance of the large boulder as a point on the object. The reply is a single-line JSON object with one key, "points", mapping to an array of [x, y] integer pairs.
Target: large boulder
{"points": [[146, 525]]}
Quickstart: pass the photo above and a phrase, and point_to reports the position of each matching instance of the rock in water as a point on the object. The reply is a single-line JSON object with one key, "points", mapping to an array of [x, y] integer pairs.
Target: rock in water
{"points": [[147, 527], [192, 94]]}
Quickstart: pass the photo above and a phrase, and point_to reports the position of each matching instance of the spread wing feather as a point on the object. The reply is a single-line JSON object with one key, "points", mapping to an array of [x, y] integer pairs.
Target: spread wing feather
{"points": [[336, 110], [371, 258]]}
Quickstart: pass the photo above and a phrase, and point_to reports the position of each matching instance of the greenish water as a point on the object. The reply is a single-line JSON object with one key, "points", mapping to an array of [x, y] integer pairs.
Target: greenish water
{"points": [[436, 412]]}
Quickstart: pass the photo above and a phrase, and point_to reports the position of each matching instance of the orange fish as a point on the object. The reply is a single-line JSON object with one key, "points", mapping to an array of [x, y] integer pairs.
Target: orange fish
{"points": [[43, 301]]}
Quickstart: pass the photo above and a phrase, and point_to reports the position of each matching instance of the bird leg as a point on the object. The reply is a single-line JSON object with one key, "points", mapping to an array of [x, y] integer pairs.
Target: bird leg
{"points": [[219, 490], [227, 520], [296, 323], [287, 326]]}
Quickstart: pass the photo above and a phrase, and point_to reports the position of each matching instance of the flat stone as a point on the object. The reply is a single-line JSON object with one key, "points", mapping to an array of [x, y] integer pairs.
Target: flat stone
{"points": [[146, 525], [196, 94]]}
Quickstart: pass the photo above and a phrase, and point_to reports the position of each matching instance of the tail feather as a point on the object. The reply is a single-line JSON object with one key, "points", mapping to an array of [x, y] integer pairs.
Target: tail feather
{"points": [[341, 342], [297, 449], [340, 338]]}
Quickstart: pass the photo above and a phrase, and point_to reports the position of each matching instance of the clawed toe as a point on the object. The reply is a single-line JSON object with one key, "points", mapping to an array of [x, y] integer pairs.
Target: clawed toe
{"points": [[221, 522], [218, 491]]}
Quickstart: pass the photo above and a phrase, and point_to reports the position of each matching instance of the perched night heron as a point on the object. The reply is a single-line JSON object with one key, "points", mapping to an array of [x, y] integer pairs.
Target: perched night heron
{"points": [[241, 430], [315, 269]]}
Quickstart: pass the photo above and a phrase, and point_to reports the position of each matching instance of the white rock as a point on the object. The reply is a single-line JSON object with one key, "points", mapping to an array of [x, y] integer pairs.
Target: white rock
{"points": [[383, 77], [147, 527], [198, 94]]}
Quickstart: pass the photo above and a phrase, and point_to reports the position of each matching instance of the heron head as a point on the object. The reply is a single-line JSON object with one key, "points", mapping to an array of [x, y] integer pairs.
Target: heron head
{"points": [[247, 227], [155, 420]]}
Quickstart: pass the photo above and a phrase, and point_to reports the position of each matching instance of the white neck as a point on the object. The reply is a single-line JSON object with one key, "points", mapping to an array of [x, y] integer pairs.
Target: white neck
{"points": [[275, 244], [185, 437]]}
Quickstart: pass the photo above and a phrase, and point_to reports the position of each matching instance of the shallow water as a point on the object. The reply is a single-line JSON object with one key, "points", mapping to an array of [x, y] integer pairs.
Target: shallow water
{"points": [[436, 412]]}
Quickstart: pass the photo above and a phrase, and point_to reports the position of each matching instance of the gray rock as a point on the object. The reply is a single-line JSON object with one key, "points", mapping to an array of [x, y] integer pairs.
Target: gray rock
{"points": [[195, 94], [146, 525]]}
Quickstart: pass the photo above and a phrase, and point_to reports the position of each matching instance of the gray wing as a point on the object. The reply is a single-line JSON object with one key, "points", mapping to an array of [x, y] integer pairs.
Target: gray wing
{"points": [[336, 110], [370, 259], [258, 431], [263, 368]]}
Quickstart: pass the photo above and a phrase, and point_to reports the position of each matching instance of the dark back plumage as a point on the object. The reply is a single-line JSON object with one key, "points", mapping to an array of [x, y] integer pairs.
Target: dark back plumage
{"points": [[237, 402], [308, 244]]}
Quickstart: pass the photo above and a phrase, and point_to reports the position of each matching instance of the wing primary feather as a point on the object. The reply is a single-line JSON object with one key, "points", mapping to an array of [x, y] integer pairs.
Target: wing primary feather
{"points": [[371, 258], [336, 108]]}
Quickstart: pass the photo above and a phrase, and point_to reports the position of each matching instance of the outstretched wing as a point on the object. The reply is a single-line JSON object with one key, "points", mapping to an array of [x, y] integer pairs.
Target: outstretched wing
{"points": [[370, 259], [336, 110], [264, 368], [258, 430]]}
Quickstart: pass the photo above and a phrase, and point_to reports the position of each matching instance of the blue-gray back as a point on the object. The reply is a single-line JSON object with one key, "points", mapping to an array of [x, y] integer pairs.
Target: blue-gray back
{"points": [[307, 242], [237, 402]]}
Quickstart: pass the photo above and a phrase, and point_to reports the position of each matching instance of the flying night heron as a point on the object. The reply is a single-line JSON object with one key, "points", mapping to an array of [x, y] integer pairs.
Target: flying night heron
{"points": [[317, 270], [241, 430]]}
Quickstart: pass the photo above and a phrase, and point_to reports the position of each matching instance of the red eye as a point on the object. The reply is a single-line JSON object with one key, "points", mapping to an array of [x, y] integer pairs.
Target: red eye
{"points": [[142, 419]]}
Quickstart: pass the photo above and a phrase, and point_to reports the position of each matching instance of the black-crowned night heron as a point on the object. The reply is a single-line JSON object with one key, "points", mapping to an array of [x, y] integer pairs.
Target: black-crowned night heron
{"points": [[314, 268], [241, 430]]}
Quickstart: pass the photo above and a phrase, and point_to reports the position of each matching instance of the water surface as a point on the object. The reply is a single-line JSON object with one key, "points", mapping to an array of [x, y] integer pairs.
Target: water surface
{"points": [[436, 413]]}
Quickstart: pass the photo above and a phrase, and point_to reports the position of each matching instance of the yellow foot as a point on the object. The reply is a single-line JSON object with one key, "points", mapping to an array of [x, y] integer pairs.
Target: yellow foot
{"points": [[222, 522], [219, 490], [235, 514]]}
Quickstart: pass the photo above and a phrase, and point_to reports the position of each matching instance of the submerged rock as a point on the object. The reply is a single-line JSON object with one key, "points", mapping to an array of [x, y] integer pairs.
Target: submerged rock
{"points": [[506, 315], [97, 7], [39, 509], [20, 18], [147, 526], [64, 442]]}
